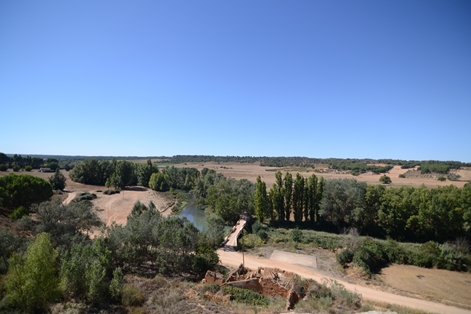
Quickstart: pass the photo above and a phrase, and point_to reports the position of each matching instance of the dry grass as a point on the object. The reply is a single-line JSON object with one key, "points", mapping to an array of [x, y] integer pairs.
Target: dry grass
{"points": [[252, 171], [433, 284]]}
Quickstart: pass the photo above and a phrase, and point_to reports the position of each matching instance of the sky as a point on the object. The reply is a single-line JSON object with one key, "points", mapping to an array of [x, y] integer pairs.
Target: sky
{"points": [[343, 79]]}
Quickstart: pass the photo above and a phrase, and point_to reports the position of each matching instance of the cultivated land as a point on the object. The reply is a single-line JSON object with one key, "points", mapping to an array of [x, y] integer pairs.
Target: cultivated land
{"points": [[252, 171], [426, 284]]}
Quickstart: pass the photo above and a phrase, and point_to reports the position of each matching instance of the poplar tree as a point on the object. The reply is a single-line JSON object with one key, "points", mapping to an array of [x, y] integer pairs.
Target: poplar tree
{"points": [[288, 194], [260, 199], [298, 198]]}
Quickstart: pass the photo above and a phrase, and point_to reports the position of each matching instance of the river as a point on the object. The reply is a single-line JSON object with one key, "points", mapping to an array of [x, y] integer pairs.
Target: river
{"points": [[193, 214]]}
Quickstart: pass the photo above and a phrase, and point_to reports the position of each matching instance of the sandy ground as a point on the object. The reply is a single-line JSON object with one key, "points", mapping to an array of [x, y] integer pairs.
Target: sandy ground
{"points": [[111, 208], [430, 283], [294, 258], [234, 259], [251, 171]]}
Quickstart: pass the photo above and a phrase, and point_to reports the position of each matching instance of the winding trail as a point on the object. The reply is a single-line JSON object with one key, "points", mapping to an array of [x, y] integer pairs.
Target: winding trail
{"points": [[234, 259]]}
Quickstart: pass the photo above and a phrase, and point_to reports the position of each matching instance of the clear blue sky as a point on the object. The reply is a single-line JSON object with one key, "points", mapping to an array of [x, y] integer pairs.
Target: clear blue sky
{"points": [[359, 79]]}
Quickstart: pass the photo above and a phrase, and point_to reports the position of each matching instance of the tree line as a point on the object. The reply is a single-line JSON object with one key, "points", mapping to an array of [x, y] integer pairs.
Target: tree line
{"points": [[403, 213], [18, 162], [289, 198]]}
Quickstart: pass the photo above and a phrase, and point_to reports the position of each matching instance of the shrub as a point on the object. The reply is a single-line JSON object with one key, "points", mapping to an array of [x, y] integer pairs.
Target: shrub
{"points": [[85, 197], [296, 235], [344, 257], [370, 256], [19, 212], [453, 177], [402, 176], [385, 179], [427, 255], [131, 296], [3, 167], [441, 178], [16, 168], [116, 284], [28, 168], [246, 296], [250, 241], [396, 253], [455, 256], [263, 235], [111, 192]]}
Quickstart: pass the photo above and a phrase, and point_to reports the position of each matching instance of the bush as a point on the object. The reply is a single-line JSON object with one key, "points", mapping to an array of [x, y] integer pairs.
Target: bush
{"points": [[396, 253], [344, 257], [246, 296], [385, 179], [85, 197], [263, 235], [370, 256], [111, 192], [296, 235], [427, 255], [131, 296], [455, 256], [16, 168], [402, 176], [19, 212], [250, 241], [3, 167], [28, 168]]}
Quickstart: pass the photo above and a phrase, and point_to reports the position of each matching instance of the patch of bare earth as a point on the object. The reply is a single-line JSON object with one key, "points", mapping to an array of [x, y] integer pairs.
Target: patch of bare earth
{"points": [[434, 284]]}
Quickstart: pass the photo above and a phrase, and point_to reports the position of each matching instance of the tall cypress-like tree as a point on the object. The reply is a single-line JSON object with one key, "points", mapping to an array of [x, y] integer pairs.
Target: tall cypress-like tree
{"points": [[288, 194], [298, 198], [278, 200], [312, 191], [260, 199]]}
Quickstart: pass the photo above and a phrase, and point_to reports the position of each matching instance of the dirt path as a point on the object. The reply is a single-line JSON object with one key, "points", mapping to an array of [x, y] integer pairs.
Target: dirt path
{"points": [[234, 259], [69, 198]]}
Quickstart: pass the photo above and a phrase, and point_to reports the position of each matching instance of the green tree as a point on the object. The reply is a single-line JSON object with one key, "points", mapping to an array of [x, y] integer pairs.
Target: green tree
{"points": [[385, 179], [124, 174], [260, 199], [23, 190], [341, 198], [32, 282], [57, 180], [277, 197], [144, 172], [298, 198], [288, 194], [158, 182]]}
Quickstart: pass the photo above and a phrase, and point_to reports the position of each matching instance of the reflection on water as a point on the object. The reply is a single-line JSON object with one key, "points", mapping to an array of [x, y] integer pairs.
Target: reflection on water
{"points": [[193, 214]]}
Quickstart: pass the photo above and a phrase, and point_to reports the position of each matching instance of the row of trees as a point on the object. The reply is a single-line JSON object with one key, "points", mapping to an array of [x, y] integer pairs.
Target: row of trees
{"points": [[27, 162], [113, 173], [403, 213], [288, 198]]}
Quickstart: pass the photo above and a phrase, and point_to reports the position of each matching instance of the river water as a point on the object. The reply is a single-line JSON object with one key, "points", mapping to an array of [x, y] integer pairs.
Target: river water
{"points": [[193, 214]]}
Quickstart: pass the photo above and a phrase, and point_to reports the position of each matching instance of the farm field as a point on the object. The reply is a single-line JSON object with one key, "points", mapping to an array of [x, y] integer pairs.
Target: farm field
{"points": [[252, 171]]}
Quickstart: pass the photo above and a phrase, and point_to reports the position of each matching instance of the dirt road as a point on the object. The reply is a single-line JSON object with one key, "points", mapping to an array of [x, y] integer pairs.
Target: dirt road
{"points": [[234, 259]]}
